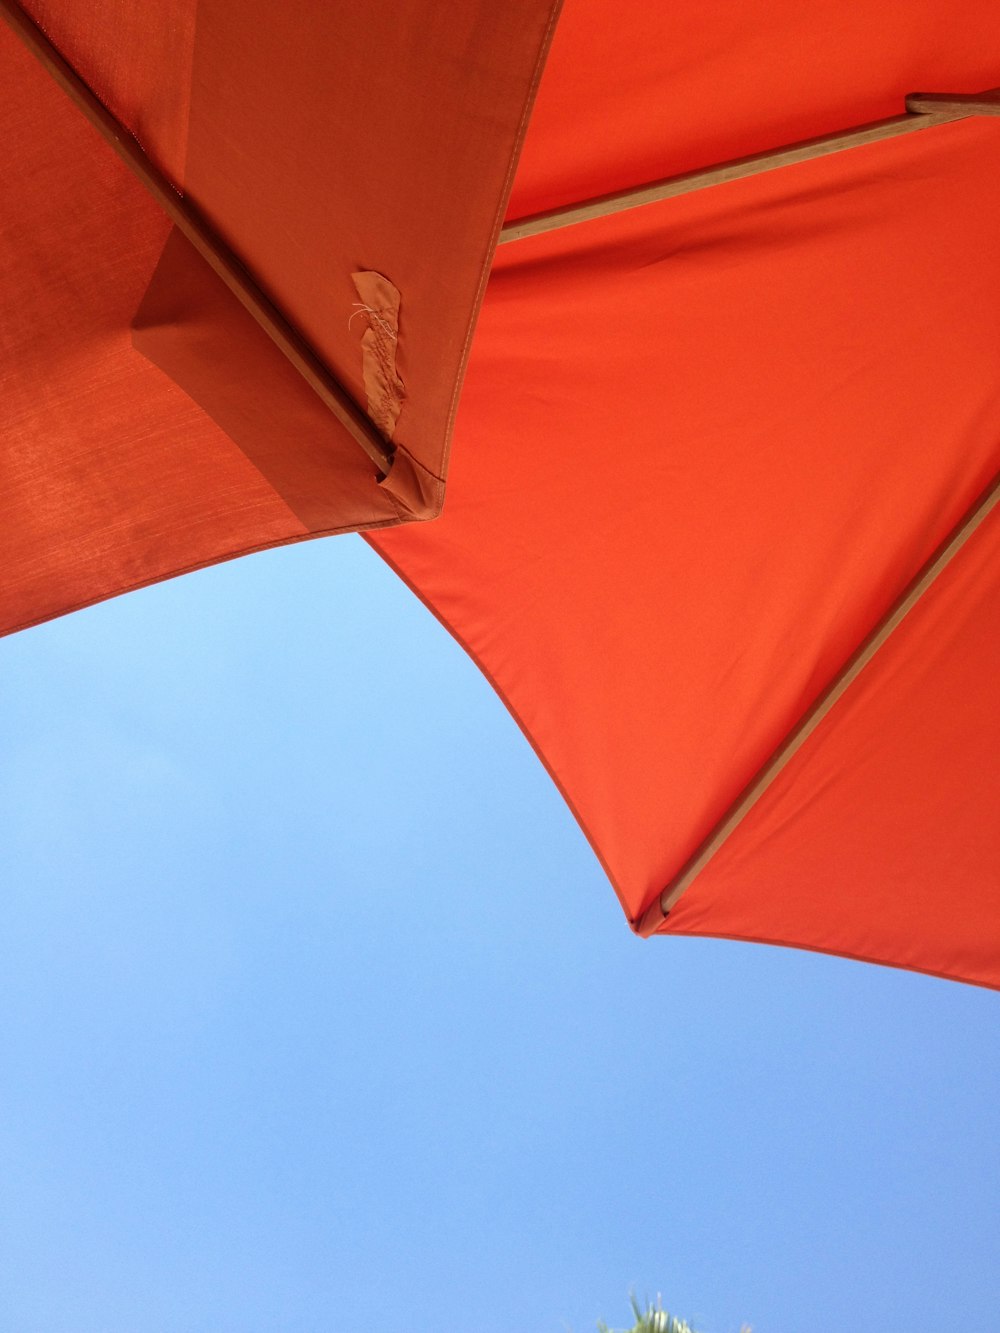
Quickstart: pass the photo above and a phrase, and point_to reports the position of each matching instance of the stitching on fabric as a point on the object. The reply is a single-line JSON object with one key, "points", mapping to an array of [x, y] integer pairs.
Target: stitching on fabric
{"points": [[373, 318], [383, 385]]}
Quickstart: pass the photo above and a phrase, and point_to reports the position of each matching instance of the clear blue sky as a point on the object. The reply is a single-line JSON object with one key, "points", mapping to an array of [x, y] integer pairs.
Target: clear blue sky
{"points": [[317, 1013]]}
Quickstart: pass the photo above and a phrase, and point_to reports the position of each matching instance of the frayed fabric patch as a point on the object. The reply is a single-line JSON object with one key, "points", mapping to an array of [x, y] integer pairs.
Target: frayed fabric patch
{"points": [[378, 307]]}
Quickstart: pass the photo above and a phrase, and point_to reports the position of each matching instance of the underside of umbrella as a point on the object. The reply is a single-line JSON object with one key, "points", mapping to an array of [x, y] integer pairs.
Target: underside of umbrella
{"points": [[719, 523]]}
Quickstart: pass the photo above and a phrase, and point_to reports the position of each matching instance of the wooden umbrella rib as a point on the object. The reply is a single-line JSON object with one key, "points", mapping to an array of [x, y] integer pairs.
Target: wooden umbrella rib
{"points": [[751, 794], [201, 235], [924, 110]]}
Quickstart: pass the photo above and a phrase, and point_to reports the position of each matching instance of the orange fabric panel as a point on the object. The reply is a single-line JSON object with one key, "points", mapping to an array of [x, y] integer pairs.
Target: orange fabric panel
{"points": [[192, 327], [110, 476], [321, 140], [881, 839], [702, 448], [330, 139], [632, 94], [136, 55]]}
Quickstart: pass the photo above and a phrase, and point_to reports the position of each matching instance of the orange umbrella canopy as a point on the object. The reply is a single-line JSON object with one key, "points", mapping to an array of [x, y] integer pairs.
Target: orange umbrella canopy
{"points": [[719, 521]]}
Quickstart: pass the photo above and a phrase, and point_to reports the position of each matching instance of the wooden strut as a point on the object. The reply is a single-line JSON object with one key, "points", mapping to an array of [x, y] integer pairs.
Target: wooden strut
{"points": [[205, 240], [751, 794], [923, 110]]}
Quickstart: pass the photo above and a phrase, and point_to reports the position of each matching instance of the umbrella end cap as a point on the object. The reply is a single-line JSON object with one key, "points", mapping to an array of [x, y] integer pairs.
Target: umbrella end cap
{"points": [[417, 493], [649, 922]]}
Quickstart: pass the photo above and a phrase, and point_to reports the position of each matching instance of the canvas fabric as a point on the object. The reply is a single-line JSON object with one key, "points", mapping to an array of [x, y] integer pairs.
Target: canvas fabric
{"points": [[702, 447]]}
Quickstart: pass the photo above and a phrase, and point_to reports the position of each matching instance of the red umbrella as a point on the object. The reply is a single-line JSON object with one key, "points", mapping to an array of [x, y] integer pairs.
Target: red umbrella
{"points": [[719, 519]]}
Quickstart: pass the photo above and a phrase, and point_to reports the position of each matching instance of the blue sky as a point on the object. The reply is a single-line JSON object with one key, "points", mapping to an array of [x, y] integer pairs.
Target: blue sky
{"points": [[316, 1012]]}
